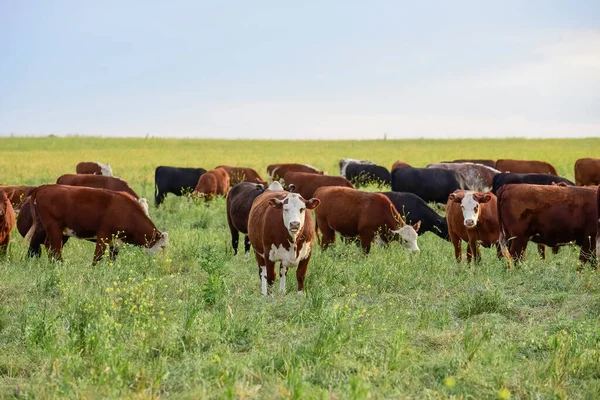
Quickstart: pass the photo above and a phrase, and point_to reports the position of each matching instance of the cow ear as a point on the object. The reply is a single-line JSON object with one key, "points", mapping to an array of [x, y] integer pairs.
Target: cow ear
{"points": [[417, 226], [260, 187], [313, 203], [456, 197], [291, 188], [10, 195], [276, 203], [485, 198]]}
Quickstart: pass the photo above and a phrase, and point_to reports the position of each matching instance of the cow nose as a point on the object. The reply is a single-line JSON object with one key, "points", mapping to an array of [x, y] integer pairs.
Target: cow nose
{"points": [[469, 222], [294, 226], [415, 250]]}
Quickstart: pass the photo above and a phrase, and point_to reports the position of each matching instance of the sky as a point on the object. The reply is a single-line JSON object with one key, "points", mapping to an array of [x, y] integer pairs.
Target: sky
{"points": [[300, 70]]}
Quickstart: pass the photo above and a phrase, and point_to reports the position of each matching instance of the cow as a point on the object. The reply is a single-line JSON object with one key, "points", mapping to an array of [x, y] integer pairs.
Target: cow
{"points": [[484, 161], [430, 184], [364, 174], [550, 215], [399, 164], [102, 182], [532, 179], [111, 218], [176, 180], [477, 176], [525, 167], [239, 203], [242, 174], [345, 161], [93, 168], [212, 183], [598, 232], [19, 193], [412, 209], [280, 228], [278, 171], [353, 213], [587, 171], [307, 184], [7, 221], [473, 217]]}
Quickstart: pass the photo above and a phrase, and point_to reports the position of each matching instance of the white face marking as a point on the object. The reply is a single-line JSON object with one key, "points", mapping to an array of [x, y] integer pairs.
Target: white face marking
{"points": [[294, 211], [105, 169], [470, 210], [408, 238], [263, 279], [275, 186], [159, 245], [144, 203], [282, 274], [288, 256]]}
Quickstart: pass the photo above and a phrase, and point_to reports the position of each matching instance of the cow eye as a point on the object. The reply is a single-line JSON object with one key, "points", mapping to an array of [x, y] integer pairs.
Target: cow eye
{"points": [[477, 209]]}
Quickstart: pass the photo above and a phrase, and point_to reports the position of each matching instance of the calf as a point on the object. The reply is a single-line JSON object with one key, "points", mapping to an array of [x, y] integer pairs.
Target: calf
{"points": [[354, 213], [307, 184], [472, 217], [19, 193], [478, 177], [587, 171], [531, 179], [278, 171], [550, 215], [174, 180], [399, 164], [239, 204], [525, 167], [281, 229], [213, 183], [430, 184], [88, 213], [7, 221], [93, 168], [242, 174], [364, 174]]}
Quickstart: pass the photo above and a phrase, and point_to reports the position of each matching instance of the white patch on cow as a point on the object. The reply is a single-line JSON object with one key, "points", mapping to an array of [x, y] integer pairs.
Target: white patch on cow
{"points": [[310, 166], [144, 203], [294, 211], [70, 233], [287, 256], [408, 238], [159, 245], [275, 186], [105, 169], [263, 279], [300, 293], [282, 275], [470, 209]]}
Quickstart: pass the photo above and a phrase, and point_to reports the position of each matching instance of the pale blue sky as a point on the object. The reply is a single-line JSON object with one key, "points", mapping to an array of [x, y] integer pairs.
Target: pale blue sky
{"points": [[311, 69]]}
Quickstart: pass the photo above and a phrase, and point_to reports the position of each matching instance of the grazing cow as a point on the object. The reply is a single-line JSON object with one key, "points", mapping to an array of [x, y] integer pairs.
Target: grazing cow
{"points": [[354, 213], [7, 221], [430, 184], [242, 174], [478, 176], [412, 208], [531, 179], [102, 182], [549, 215], [93, 168], [278, 171], [364, 174], [525, 167], [399, 164], [472, 217], [281, 229], [174, 180], [486, 162], [587, 171], [307, 184], [19, 193], [239, 203], [108, 217], [345, 161], [213, 183], [598, 232]]}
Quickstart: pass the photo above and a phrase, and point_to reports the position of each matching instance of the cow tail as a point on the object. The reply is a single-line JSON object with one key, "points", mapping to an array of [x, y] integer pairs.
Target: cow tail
{"points": [[156, 187], [502, 236], [32, 209]]}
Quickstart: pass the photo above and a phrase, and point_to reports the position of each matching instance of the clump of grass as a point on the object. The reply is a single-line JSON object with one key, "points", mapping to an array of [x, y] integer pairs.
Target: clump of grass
{"points": [[482, 300]]}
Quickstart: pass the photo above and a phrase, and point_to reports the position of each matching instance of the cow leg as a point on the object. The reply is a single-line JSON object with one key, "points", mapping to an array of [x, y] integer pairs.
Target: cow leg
{"points": [[555, 249], [327, 235], [283, 270], [301, 274], [542, 250], [270, 270], [474, 249], [54, 243], [262, 272], [113, 251], [469, 253], [101, 243], [365, 241], [517, 248], [456, 242], [246, 246], [235, 238]]}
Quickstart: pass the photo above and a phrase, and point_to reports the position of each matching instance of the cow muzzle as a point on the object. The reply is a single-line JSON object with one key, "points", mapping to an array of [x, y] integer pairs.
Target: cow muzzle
{"points": [[294, 226], [470, 223]]}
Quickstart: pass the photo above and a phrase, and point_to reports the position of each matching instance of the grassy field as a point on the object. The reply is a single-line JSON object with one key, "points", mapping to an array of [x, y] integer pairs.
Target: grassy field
{"points": [[191, 323]]}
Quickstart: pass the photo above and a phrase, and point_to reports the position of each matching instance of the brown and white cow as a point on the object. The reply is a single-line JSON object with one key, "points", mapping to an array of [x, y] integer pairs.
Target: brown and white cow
{"points": [[281, 229], [7, 220], [400, 164], [19, 193], [369, 216], [587, 171], [212, 183], [88, 213], [93, 168], [525, 167], [472, 217], [307, 184], [242, 174], [102, 182], [549, 215], [478, 177], [278, 171]]}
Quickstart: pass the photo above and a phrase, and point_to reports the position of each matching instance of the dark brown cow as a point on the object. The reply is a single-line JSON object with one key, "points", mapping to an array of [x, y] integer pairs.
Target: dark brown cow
{"points": [[484, 161], [212, 183], [89, 213], [525, 167], [472, 217], [307, 184], [587, 171], [400, 164], [7, 221], [93, 168], [550, 215], [354, 213], [19, 193], [278, 171], [281, 229], [242, 174]]}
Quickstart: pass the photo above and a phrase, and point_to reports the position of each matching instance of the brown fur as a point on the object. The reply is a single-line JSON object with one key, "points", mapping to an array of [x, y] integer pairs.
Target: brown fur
{"points": [[525, 167], [242, 174], [278, 171], [400, 164], [20, 192], [549, 215], [587, 171], [86, 167], [213, 183], [307, 184], [485, 232], [97, 181], [7, 220]]}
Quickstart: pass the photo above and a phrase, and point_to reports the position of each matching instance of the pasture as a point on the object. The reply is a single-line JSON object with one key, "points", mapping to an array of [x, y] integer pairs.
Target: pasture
{"points": [[192, 323]]}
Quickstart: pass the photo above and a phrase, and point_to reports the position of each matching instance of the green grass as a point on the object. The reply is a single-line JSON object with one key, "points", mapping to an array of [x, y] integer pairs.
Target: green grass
{"points": [[191, 323]]}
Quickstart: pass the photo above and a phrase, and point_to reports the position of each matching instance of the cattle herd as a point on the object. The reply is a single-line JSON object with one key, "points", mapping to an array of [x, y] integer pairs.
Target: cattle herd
{"points": [[503, 203]]}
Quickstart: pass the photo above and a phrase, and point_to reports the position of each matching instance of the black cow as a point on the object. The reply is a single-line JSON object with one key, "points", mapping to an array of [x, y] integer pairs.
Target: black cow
{"points": [[174, 180], [413, 209], [430, 184], [532, 179], [361, 174]]}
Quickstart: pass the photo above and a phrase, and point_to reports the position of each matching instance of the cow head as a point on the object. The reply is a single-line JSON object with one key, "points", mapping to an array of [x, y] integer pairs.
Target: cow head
{"points": [[144, 203], [5, 203], [407, 236], [106, 170], [294, 210], [161, 241], [470, 202]]}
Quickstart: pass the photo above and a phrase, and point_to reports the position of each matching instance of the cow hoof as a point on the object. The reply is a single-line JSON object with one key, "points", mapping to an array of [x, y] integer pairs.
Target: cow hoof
{"points": [[300, 293]]}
